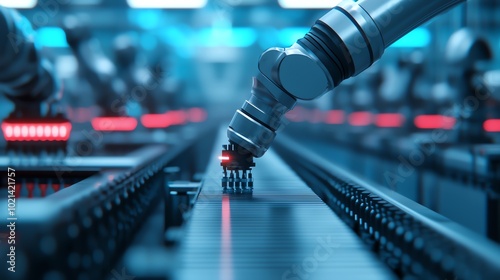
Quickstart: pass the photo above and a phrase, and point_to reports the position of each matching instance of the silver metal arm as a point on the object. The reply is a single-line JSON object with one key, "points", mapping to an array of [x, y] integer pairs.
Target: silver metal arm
{"points": [[343, 43]]}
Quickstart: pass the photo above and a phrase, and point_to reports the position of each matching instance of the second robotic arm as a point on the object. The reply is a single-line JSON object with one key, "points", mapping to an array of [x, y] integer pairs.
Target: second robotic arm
{"points": [[342, 44]]}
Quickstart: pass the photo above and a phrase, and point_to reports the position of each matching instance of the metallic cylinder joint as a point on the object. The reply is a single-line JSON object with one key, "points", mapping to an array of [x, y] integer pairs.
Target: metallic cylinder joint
{"points": [[341, 44]]}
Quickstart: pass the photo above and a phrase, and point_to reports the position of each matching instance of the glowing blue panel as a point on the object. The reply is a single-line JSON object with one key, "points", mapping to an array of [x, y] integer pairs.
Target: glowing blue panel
{"points": [[418, 38], [146, 19], [179, 38], [239, 37], [268, 38], [176, 36], [288, 36], [52, 37]]}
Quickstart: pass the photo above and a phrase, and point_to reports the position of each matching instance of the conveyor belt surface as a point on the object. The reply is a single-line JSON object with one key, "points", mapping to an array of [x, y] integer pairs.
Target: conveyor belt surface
{"points": [[281, 231]]}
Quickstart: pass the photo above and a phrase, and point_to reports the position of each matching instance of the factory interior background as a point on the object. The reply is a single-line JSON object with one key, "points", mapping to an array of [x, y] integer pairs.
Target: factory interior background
{"points": [[114, 115]]}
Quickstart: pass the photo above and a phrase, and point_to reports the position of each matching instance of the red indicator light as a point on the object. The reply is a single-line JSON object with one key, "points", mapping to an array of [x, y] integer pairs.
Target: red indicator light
{"points": [[360, 119], [389, 120], [114, 123], [335, 117], [224, 158], [155, 120], [492, 125], [434, 122], [177, 117], [36, 131], [167, 119], [197, 115]]}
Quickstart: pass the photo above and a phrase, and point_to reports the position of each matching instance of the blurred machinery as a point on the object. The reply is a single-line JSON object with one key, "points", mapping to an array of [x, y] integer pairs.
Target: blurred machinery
{"points": [[114, 113], [29, 82]]}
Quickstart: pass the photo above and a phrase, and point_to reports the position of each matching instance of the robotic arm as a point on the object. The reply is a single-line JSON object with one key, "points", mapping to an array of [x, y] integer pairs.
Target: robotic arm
{"points": [[25, 77], [342, 44]]}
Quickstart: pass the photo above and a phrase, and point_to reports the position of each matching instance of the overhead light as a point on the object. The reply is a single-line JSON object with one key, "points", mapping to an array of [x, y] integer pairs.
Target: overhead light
{"points": [[21, 4], [308, 4], [167, 4]]}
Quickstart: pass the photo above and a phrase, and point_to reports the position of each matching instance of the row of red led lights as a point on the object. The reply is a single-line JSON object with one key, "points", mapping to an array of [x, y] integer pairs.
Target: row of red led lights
{"points": [[383, 120], [34, 131], [170, 118]]}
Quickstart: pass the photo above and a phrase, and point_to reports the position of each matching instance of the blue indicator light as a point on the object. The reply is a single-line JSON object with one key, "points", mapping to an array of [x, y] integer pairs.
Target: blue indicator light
{"points": [[52, 37], [418, 38]]}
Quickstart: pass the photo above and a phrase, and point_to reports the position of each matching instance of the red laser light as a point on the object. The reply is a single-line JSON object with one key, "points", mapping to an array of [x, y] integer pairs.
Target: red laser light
{"points": [[434, 122], [389, 120], [226, 242], [31, 131], [492, 125], [360, 118], [114, 123]]}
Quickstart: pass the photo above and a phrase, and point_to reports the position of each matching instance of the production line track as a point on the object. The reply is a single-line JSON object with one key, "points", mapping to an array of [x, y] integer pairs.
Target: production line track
{"points": [[281, 231], [414, 241]]}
